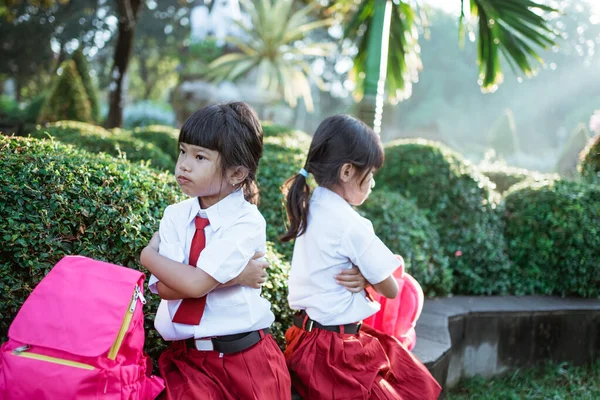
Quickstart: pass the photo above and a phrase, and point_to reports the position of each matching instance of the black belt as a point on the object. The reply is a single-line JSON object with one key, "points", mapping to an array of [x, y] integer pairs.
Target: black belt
{"points": [[228, 344], [302, 321]]}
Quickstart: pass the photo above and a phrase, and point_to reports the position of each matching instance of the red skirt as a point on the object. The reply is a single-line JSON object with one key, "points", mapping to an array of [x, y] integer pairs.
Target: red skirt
{"points": [[369, 365], [257, 373]]}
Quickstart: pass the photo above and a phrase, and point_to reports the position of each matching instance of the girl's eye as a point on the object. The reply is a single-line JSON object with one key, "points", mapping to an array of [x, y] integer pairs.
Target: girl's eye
{"points": [[181, 151], [199, 157]]}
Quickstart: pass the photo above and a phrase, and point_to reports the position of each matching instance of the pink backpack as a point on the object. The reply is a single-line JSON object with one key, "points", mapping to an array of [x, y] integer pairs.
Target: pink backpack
{"points": [[80, 335], [398, 317]]}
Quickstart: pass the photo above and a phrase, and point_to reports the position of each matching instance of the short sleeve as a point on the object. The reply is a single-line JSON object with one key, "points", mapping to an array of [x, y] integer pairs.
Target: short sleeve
{"points": [[362, 246], [171, 246], [225, 257]]}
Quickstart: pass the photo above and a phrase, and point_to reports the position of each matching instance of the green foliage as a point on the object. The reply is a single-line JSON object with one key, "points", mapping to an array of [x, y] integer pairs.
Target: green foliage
{"points": [[95, 139], [460, 203], [9, 108], [553, 238], [504, 176], [548, 381], [286, 137], [406, 231], [567, 162], [56, 200], [91, 89], [276, 291], [68, 98], [33, 109], [503, 135], [269, 50], [98, 206], [589, 161], [163, 137], [278, 163]]}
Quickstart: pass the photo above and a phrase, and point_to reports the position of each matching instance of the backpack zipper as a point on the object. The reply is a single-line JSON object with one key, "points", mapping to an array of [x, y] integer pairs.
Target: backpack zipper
{"points": [[114, 350], [23, 351]]}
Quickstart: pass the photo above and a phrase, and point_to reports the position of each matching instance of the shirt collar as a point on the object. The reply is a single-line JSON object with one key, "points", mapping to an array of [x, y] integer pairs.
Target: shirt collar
{"points": [[219, 213], [323, 194]]}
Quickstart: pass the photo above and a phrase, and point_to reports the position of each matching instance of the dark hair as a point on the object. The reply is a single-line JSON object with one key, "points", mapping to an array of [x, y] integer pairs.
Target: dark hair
{"points": [[234, 130], [338, 140]]}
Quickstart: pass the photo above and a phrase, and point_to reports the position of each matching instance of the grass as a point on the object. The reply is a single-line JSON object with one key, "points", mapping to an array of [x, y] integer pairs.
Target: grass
{"points": [[549, 381]]}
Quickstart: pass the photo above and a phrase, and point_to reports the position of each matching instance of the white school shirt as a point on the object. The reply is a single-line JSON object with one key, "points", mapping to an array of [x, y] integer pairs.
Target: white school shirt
{"points": [[236, 231], [336, 237]]}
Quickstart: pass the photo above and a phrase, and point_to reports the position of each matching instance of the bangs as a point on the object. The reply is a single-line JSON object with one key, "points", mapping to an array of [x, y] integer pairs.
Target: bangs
{"points": [[205, 128]]}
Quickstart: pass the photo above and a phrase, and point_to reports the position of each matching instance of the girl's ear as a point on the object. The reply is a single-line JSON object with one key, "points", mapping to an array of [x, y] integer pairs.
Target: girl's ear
{"points": [[347, 172], [237, 175]]}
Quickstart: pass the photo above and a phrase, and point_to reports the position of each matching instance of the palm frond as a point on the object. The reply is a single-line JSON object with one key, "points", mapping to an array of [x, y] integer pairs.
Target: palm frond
{"points": [[403, 61], [513, 28], [271, 52]]}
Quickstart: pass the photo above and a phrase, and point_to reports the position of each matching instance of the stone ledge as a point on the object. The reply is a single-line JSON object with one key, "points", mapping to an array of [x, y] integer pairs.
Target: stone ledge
{"points": [[459, 337]]}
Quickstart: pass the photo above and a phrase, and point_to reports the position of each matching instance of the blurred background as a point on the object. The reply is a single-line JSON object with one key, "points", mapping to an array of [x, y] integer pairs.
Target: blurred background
{"points": [[153, 62]]}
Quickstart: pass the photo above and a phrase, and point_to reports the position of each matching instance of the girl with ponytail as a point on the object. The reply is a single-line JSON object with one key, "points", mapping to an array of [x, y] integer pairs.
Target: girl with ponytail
{"points": [[329, 353]]}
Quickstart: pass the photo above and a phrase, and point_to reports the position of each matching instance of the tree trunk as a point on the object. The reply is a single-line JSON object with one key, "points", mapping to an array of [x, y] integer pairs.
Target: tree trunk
{"points": [[370, 108], [128, 10]]}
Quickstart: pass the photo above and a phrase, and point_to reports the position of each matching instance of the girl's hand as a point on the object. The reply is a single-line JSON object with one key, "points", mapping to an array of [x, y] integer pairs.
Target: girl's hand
{"points": [[154, 243], [254, 274], [352, 280]]}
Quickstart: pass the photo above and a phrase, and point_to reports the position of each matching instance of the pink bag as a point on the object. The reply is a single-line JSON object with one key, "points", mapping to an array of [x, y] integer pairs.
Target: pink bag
{"points": [[80, 335], [398, 317]]}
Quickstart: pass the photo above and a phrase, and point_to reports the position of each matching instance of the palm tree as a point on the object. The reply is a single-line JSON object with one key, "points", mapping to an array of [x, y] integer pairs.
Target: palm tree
{"points": [[271, 49], [385, 33]]}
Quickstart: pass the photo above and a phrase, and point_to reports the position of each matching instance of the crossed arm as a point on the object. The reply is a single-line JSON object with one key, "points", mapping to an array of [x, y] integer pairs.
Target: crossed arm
{"points": [[180, 281]]}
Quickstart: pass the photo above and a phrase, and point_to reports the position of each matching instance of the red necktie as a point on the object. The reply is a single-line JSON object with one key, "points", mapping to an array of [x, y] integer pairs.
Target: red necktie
{"points": [[190, 310]]}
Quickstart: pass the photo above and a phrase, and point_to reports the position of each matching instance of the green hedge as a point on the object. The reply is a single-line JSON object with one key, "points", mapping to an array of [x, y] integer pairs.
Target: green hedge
{"points": [[95, 139], [105, 208], [276, 291], [68, 99], [163, 137], [504, 176], [91, 89], [406, 231], [589, 161], [56, 200], [460, 203], [286, 137], [278, 163], [553, 235]]}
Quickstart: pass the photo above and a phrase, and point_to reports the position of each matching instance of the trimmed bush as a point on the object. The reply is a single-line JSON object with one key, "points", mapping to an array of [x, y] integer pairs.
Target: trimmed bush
{"points": [[83, 68], [276, 291], [286, 137], [75, 202], [95, 139], [504, 176], [68, 98], [503, 136], [56, 200], [278, 163], [589, 161], [553, 236], [33, 109], [460, 203], [567, 162], [9, 109], [406, 231], [163, 137]]}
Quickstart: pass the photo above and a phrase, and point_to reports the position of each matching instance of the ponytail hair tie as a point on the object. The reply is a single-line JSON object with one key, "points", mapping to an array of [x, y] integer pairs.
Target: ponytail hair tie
{"points": [[303, 172]]}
